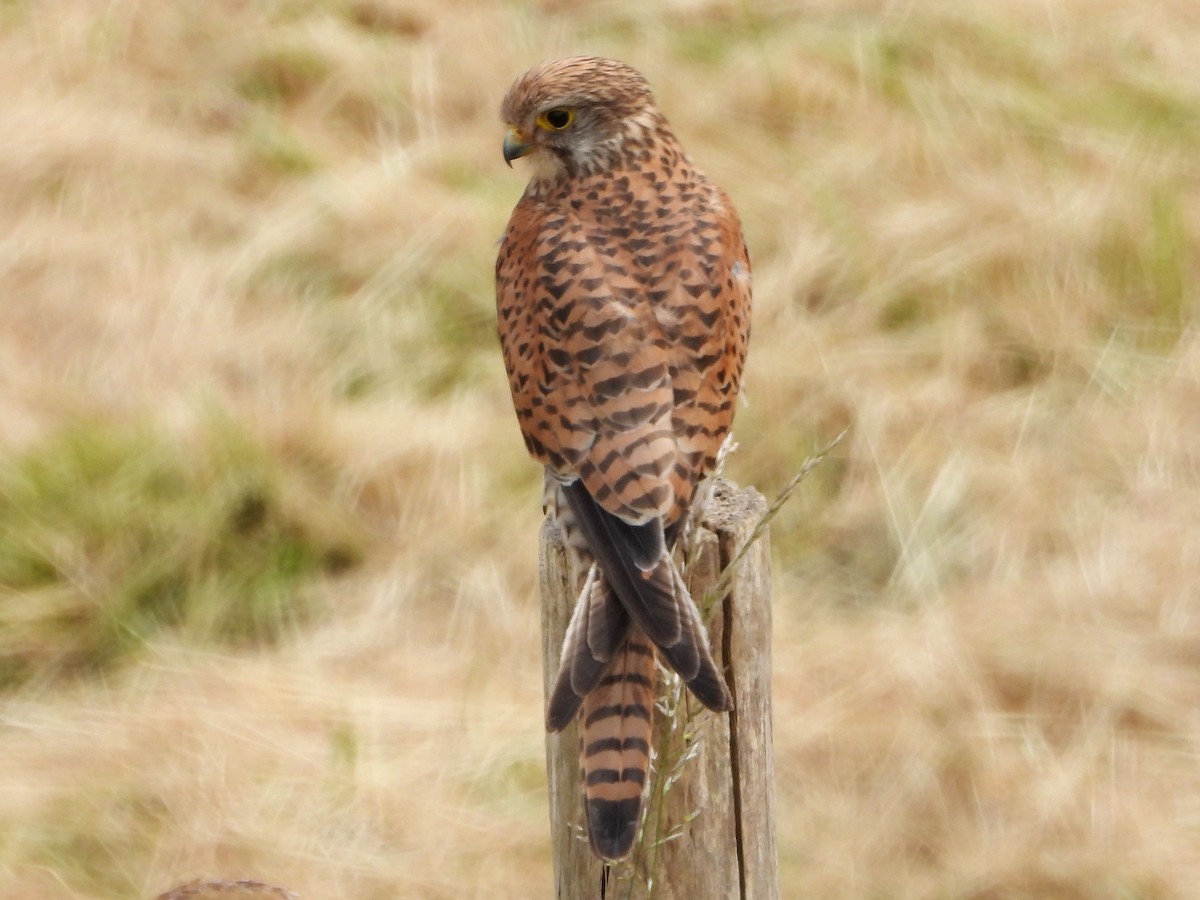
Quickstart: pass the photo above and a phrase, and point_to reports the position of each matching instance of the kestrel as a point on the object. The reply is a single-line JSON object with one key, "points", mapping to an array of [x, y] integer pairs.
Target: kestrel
{"points": [[623, 301]]}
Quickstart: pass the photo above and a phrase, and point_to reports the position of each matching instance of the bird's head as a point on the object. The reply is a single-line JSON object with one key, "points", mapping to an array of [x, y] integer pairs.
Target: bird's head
{"points": [[576, 115]]}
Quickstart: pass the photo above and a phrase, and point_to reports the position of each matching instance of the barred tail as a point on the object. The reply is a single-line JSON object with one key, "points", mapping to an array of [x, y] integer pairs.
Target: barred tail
{"points": [[614, 746]]}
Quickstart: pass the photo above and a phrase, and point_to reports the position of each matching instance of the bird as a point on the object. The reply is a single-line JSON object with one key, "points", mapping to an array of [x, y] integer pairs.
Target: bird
{"points": [[623, 307]]}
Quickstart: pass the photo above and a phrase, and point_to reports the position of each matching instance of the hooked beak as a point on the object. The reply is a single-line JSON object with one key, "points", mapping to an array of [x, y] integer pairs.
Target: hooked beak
{"points": [[514, 147]]}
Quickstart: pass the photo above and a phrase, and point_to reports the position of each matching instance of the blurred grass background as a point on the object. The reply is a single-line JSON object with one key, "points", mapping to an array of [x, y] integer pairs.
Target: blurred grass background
{"points": [[268, 533]]}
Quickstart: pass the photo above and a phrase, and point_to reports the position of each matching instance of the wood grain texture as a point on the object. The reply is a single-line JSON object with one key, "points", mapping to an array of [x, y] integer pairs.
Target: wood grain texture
{"points": [[719, 813], [577, 873]]}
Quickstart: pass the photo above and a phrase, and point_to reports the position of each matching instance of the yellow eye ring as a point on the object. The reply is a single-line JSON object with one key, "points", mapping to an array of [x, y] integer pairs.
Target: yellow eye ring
{"points": [[557, 119]]}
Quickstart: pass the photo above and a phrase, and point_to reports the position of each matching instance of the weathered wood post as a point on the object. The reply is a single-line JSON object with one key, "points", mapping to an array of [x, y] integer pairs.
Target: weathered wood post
{"points": [[709, 828]]}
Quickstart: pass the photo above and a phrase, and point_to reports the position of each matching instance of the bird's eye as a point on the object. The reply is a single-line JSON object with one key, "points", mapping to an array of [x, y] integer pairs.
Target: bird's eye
{"points": [[556, 119]]}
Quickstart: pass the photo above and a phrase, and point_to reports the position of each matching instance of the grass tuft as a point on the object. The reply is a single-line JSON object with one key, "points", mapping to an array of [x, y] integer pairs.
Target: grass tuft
{"points": [[110, 534]]}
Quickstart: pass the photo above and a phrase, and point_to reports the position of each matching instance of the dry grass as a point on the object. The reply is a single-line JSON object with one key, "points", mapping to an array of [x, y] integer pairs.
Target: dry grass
{"points": [[975, 230]]}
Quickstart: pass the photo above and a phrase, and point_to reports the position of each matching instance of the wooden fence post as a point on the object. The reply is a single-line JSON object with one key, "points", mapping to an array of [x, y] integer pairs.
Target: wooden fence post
{"points": [[709, 828]]}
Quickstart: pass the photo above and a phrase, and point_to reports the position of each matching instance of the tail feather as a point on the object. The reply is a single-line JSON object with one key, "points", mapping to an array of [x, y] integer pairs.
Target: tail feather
{"points": [[689, 655], [702, 677], [597, 628], [684, 656], [607, 619], [623, 552], [632, 602], [598, 625], [614, 747], [607, 674]]}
